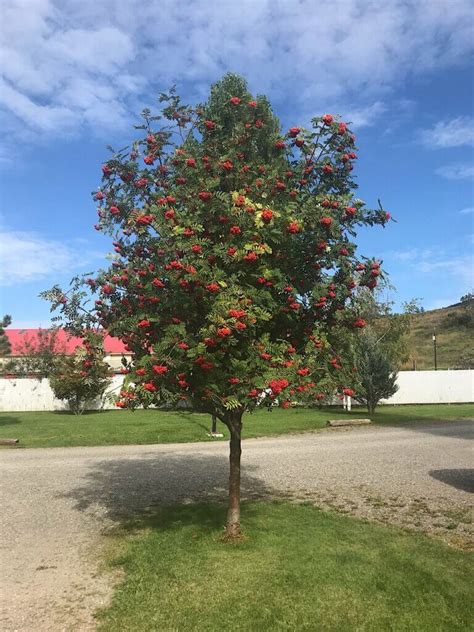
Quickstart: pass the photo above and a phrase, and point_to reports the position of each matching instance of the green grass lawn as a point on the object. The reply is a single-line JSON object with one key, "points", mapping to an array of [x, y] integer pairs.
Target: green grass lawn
{"points": [[298, 569], [118, 427]]}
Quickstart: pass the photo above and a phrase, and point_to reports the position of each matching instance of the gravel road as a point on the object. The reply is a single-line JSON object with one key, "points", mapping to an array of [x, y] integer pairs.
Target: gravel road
{"points": [[58, 503]]}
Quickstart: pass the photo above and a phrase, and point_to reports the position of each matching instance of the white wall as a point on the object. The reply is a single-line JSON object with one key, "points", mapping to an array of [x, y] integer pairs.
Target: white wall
{"points": [[416, 387], [24, 394], [434, 387]]}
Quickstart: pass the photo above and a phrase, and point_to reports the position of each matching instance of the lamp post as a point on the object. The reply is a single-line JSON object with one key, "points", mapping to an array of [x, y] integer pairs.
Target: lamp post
{"points": [[434, 351]]}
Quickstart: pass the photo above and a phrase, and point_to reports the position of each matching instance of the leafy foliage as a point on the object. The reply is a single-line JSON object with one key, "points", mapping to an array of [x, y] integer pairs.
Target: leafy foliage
{"points": [[234, 255], [389, 329], [5, 348], [466, 298], [380, 347], [36, 356], [413, 306], [81, 377], [376, 374]]}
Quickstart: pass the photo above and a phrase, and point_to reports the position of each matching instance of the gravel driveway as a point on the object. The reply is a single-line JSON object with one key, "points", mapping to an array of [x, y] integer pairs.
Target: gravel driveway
{"points": [[57, 503]]}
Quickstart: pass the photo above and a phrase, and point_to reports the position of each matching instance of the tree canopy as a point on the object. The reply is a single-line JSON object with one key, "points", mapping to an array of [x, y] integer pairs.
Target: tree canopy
{"points": [[235, 255], [5, 347]]}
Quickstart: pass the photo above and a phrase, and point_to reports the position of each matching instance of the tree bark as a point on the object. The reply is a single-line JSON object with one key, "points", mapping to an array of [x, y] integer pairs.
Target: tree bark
{"points": [[234, 423]]}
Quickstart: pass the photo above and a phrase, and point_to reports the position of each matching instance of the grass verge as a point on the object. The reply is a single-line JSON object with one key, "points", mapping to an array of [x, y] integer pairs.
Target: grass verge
{"points": [[298, 569], [117, 427]]}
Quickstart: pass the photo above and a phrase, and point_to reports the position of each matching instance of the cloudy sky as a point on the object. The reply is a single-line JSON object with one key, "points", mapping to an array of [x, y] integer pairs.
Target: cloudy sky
{"points": [[76, 73]]}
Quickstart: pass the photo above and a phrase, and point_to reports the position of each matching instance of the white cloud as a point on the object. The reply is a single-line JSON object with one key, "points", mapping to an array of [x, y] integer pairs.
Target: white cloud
{"points": [[453, 133], [467, 211], [365, 116], [70, 63], [410, 255], [404, 255], [461, 267], [430, 261], [58, 75], [40, 117], [26, 257], [458, 171]]}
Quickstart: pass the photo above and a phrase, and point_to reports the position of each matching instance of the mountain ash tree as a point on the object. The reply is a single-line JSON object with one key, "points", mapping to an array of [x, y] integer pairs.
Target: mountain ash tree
{"points": [[234, 260]]}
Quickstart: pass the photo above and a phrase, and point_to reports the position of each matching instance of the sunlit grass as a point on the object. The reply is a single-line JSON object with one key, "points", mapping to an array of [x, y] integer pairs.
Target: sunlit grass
{"points": [[297, 569], [119, 427]]}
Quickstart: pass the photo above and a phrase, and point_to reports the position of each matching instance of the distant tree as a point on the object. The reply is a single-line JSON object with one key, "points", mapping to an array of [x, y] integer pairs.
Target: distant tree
{"points": [[379, 347], [36, 355], [389, 328], [413, 306], [467, 297], [81, 377], [376, 373], [5, 347]]}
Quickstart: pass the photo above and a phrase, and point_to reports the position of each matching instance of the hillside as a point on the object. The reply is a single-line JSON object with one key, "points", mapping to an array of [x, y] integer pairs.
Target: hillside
{"points": [[454, 326]]}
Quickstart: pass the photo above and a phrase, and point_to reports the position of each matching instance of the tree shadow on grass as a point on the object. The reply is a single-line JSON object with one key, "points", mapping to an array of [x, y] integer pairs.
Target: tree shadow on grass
{"points": [[453, 428], [197, 420], [207, 517], [462, 478], [7, 420], [194, 419], [459, 428], [133, 491], [85, 413]]}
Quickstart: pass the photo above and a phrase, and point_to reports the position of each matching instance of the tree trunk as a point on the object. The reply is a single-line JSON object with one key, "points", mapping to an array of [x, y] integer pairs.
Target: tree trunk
{"points": [[234, 423]]}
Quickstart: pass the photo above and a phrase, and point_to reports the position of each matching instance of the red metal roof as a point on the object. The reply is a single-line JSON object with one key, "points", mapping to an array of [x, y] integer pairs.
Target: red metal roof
{"points": [[64, 343]]}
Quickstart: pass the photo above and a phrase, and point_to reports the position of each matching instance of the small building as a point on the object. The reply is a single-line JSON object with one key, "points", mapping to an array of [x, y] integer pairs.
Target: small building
{"points": [[25, 341]]}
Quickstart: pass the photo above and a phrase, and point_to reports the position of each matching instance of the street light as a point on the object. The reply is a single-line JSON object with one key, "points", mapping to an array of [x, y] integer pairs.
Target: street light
{"points": [[434, 350]]}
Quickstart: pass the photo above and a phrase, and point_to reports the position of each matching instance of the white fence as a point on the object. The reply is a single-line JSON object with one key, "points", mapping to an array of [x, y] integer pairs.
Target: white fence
{"points": [[415, 387], [23, 394], [434, 387]]}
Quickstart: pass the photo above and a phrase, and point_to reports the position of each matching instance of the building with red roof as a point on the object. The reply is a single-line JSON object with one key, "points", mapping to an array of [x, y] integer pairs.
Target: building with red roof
{"points": [[20, 339], [25, 341]]}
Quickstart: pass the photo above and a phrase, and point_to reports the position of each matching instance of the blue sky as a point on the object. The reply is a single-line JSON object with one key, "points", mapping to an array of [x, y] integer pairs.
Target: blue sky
{"points": [[75, 73]]}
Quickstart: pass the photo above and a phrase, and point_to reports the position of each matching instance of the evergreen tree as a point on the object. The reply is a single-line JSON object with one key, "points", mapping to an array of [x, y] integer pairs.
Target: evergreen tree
{"points": [[5, 347], [376, 373]]}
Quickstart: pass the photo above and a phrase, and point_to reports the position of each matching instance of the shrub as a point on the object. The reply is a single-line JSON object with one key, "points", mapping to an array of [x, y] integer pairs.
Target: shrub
{"points": [[81, 377]]}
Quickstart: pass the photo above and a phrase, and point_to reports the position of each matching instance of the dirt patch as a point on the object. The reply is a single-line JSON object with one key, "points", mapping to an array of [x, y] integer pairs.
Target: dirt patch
{"points": [[434, 517]]}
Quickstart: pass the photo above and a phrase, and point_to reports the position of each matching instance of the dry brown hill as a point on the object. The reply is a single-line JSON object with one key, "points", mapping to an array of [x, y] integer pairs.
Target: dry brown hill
{"points": [[454, 327]]}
